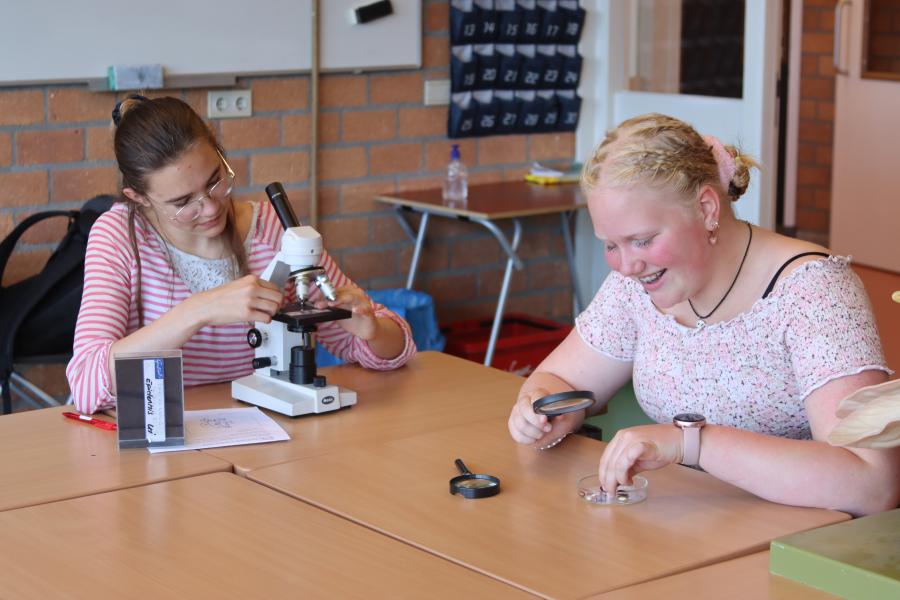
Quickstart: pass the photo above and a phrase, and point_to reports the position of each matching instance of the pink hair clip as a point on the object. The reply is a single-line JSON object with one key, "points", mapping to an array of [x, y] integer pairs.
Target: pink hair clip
{"points": [[724, 159]]}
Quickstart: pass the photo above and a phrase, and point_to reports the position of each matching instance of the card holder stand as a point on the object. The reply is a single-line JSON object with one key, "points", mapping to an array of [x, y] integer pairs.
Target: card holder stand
{"points": [[551, 67], [549, 111], [508, 109], [531, 67], [573, 22], [508, 66], [569, 109], [461, 116], [571, 67], [486, 109], [530, 23], [488, 67], [509, 21], [552, 25], [514, 66], [463, 68]]}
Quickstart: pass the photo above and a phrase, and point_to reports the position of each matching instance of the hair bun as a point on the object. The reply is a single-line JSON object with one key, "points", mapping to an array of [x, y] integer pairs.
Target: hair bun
{"points": [[122, 106]]}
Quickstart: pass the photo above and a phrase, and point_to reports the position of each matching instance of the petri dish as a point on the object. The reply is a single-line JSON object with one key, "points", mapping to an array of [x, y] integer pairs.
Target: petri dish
{"points": [[589, 490]]}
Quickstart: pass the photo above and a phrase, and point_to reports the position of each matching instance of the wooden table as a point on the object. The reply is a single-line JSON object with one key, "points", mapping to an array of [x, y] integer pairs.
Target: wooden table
{"points": [[45, 457], [745, 578], [431, 392], [486, 204], [537, 533], [215, 536]]}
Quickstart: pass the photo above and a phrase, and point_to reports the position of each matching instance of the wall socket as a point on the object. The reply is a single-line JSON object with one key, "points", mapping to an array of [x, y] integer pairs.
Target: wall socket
{"points": [[229, 104], [437, 92]]}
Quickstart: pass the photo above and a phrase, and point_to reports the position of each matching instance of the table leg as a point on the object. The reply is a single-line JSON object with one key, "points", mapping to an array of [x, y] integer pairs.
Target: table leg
{"points": [[570, 256], [417, 251], [399, 214], [512, 261]]}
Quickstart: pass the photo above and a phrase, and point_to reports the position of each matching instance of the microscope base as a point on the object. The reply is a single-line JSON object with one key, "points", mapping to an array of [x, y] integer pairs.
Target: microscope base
{"points": [[289, 398]]}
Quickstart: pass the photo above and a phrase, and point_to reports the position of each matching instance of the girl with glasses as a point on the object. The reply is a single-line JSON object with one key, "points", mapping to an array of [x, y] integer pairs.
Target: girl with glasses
{"points": [[176, 264]]}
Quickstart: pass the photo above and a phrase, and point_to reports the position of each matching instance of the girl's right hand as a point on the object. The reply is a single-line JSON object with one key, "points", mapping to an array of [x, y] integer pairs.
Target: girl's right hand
{"points": [[243, 300], [529, 427]]}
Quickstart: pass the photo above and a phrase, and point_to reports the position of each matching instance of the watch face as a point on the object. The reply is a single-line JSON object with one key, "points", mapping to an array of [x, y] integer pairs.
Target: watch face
{"points": [[690, 418]]}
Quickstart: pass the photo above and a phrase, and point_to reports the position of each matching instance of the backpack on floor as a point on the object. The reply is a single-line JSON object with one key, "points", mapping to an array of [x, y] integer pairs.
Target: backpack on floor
{"points": [[38, 314]]}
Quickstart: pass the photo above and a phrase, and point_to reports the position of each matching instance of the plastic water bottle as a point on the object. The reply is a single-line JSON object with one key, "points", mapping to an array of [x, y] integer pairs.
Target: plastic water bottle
{"points": [[456, 185]]}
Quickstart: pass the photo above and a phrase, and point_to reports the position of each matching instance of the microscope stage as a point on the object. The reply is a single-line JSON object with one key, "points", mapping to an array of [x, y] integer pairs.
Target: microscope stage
{"points": [[296, 316]]}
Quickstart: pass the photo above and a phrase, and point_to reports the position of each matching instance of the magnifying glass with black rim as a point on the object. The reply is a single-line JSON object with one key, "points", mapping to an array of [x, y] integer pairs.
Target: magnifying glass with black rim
{"points": [[561, 403], [473, 485]]}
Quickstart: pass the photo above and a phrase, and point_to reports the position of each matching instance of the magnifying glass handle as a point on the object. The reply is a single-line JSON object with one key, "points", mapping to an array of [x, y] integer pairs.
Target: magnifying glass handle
{"points": [[463, 469]]}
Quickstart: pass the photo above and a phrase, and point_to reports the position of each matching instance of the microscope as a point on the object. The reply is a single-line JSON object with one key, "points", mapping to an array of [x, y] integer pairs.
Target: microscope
{"points": [[284, 378]]}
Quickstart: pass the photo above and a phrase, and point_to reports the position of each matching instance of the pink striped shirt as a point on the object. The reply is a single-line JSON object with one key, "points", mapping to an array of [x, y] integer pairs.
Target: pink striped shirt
{"points": [[215, 353]]}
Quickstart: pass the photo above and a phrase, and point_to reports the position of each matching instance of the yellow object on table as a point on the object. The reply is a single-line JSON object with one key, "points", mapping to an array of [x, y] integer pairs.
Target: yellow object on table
{"points": [[870, 418]]}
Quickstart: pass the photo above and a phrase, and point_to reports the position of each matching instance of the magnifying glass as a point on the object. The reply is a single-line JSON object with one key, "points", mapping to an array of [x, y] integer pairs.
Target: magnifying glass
{"points": [[563, 402], [473, 485]]}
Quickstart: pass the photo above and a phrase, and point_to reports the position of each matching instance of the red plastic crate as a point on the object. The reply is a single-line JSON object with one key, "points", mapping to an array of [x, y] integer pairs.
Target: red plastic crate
{"points": [[523, 343]]}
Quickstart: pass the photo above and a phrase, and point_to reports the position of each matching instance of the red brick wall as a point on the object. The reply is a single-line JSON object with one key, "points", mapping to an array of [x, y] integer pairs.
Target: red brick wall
{"points": [[883, 47], [816, 131], [376, 136]]}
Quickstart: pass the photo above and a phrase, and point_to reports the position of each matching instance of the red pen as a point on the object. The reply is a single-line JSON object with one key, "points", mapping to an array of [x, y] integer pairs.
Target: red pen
{"points": [[90, 421]]}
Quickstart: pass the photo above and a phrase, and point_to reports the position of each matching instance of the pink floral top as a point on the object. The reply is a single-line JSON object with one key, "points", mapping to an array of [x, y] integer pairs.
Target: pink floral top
{"points": [[752, 372]]}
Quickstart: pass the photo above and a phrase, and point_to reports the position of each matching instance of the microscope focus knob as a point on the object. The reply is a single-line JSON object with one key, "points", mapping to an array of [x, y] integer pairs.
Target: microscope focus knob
{"points": [[254, 337], [259, 363], [319, 381]]}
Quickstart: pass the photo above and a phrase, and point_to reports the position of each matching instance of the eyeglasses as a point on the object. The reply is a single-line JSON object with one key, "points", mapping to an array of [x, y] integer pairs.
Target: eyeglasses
{"points": [[219, 190]]}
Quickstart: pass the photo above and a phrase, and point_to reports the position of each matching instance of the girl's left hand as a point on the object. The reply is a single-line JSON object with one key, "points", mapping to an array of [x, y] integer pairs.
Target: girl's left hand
{"points": [[363, 324], [636, 449]]}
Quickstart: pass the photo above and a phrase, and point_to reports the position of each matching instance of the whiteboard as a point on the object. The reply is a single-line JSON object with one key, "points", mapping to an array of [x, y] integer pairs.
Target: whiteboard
{"points": [[64, 40]]}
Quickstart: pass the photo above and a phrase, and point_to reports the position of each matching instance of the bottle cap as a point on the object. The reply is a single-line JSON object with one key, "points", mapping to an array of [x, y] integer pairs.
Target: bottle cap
{"points": [[454, 153]]}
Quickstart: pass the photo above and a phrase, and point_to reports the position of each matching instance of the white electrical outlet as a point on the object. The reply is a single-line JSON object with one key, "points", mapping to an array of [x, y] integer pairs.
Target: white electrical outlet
{"points": [[229, 104], [437, 92]]}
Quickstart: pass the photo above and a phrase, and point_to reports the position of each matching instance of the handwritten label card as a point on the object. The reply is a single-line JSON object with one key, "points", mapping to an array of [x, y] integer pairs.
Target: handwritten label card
{"points": [[155, 399], [150, 399]]}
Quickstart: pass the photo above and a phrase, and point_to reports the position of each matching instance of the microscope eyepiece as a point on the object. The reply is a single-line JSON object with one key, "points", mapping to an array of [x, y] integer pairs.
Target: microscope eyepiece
{"points": [[278, 198]]}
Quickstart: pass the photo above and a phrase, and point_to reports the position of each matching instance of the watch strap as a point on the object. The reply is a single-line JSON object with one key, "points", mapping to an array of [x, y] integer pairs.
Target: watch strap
{"points": [[691, 446]]}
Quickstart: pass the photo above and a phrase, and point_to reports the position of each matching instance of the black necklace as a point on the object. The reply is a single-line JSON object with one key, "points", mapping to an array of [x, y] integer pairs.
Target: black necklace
{"points": [[701, 322]]}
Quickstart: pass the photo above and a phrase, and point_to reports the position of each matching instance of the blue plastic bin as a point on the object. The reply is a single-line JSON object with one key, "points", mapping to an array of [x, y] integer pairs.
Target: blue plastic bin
{"points": [[418, 310]]}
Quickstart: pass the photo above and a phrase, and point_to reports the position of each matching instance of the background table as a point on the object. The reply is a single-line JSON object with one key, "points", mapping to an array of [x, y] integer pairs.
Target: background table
{"points": [[216, 536], [487, 203], [431, 392], [45, 457], [537, 533], [745, 578]]}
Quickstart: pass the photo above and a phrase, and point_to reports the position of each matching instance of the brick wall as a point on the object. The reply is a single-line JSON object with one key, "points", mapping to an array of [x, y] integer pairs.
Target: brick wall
{"points": [[816, 129], [883, 48], [376, 136]]}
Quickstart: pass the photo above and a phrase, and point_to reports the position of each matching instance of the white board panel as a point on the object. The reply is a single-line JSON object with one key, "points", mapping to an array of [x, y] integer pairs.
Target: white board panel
{"points": [[60, 40]]}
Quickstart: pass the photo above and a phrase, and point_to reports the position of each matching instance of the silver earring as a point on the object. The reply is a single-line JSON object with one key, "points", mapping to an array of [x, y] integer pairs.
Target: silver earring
{"points": [[714, 234]]}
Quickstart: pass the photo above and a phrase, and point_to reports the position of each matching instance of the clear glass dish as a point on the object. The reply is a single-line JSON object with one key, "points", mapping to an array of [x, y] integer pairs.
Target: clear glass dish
{"points": [[590, 491]]}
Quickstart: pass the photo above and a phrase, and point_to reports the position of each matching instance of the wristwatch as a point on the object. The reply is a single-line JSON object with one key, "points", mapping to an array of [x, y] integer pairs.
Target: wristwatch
{"points": [[690, 424]]}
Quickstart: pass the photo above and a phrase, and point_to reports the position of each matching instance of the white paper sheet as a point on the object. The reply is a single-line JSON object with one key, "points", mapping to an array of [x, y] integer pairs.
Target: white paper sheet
{"points": [[226, 427]]}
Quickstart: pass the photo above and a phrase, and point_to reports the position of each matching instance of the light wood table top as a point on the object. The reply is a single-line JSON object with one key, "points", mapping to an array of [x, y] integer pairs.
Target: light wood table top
{"points": [[432, 391], [45, 457], [745, 578], [215, 536], [504, 200], [537, 533]]}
